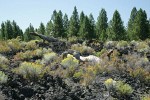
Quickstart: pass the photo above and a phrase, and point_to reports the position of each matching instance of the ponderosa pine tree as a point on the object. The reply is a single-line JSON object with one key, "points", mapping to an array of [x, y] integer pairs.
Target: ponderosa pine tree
{"points": [[101, 25], [58, 30], [74, 23], [130, 33], [149, 27], [82, 15], [140, 29], [49, 28], [16, 30], [117, 28], [2, 36], [65, 25], [54, 15], [92, 27], [8, 30], [41, 29], [85, 29], [27, 35]]}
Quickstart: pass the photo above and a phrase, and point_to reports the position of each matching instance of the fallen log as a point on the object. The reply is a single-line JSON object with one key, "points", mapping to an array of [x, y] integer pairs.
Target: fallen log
{"points": [[56, 44], [45, 38]]}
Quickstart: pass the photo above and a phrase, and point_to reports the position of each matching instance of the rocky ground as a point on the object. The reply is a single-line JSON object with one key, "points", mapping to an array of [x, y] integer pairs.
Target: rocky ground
{"points": [[57, 88]]}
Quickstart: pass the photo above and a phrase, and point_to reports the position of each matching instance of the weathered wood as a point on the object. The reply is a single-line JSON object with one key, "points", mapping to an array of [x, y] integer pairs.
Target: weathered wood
{"points": [[45, 38]]}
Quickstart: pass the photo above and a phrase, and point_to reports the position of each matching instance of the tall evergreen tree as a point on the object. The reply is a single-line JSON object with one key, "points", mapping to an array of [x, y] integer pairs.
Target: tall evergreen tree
{"points": [[8, 30], [27, 35], [92, 27], [16, 30], [49, 28], [117, 28], [131, 24], [85, 29], [0, 35], [58, 25], [65, 25], [41, 29], [102, 25], [57, 20], [3, 31], [21, 34], [110, 34], [54, 15], [140, 29], [82, 16], [74, 23], [149, 27]]}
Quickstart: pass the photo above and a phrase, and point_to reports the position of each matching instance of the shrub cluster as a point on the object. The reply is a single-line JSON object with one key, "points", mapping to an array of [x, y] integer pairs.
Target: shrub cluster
{"points": [[29, 54], [4, 48], [123, 88], [84, 50], [145, 97], [122, 44], [15, 44], [3, 77], [73, 39], [49, 58], [3, 62], [31, 45], [100, 52], [30, 70], [110, 44], [142, 47], [138, 67], [11, 45], [119, 87], [70, 61]]}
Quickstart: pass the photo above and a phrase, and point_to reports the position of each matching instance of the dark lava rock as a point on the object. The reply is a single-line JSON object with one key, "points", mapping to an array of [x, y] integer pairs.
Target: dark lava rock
{"points": [[27, 91]]}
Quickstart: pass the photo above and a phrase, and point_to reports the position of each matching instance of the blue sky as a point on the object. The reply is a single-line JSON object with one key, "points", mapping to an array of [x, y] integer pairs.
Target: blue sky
{"points": [[25, 12]]}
